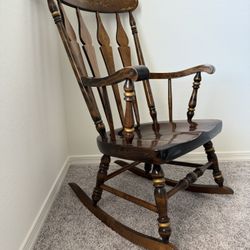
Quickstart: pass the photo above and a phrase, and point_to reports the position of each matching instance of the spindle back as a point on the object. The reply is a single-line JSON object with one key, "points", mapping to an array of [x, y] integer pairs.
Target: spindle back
{"points": [[74, 39]]}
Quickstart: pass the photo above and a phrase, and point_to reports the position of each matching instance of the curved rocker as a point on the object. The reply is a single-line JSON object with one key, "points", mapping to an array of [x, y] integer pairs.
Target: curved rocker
{"points": [[197, 188], [126, 232]]}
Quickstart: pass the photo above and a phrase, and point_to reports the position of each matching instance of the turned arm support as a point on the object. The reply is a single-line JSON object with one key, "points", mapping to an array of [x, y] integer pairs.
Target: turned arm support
{"points": [[196, 84], [210, 69], [133, 73], [129, 75]]}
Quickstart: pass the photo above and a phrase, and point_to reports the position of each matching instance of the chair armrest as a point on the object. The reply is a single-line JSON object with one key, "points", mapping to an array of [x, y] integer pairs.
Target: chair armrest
{"points": [[133, 73], [210, 69]]}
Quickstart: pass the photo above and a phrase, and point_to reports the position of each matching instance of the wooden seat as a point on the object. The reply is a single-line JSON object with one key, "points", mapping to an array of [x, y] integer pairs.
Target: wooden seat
{"points": [[154, 144], [172, 140]]}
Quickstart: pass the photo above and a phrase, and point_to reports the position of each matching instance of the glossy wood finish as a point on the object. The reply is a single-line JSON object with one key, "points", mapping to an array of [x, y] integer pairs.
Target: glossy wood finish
{"points": [[170, 143], [151, 144], [161, 200], [105, 6]]}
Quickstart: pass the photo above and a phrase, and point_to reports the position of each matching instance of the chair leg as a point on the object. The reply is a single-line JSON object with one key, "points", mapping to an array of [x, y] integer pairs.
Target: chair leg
{"points": [[102, 173], [161, 202], [211, 156]]}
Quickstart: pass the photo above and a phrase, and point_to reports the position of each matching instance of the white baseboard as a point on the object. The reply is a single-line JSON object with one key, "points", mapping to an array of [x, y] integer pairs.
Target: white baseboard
{"points": [[192, 157], [31, 237]]}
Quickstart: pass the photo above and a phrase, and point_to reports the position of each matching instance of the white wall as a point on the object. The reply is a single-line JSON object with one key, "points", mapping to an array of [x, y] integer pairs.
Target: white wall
{"points": [[177, 35], [33, 145]]}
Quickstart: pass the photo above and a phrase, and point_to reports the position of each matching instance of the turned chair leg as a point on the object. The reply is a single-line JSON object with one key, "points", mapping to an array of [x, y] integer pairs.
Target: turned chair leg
{"points": [[211, 156], [102, 173], [161, 202]]}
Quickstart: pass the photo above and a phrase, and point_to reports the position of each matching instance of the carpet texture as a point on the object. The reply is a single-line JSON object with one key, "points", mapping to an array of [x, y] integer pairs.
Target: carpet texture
{"points": [[198, 221]]}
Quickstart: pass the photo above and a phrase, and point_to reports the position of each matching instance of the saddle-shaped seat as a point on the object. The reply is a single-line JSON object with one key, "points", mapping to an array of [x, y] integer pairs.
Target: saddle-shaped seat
{"points": [[172, 140]]}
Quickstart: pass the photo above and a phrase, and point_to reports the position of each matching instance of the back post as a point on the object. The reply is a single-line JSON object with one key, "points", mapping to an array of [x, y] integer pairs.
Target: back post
{"points": [[146, 83], [75, 57]]}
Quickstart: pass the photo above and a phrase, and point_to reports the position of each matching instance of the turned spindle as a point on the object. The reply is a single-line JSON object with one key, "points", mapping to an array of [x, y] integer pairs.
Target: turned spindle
{"points": [[193, 99]]}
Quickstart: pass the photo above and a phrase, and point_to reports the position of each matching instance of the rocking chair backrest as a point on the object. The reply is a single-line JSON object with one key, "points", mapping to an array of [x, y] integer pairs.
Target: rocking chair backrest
{"points": [[69, 37]]}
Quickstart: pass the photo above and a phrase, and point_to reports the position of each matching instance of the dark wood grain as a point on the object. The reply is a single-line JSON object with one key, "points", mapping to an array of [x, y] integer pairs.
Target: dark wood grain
{"points": [[171, 75], [100, 179], [212, 157], [71, 48], [75, 48], [125, 54], [107, 54], [130, 198], [161, 200], [129, 127], [197, 188], [128, 233], [135, 73], [106, 6], [193, 99], [146, 83], [166, 149], [150, 144], [89, 50]]}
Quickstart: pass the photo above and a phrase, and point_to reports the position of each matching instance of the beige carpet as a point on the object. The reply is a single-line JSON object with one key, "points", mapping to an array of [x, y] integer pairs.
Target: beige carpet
{"points": [[199, 221]]}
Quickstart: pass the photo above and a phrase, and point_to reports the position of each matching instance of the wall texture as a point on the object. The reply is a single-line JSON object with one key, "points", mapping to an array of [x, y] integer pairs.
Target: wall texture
{"points": [[177, 35], [33, 145]]}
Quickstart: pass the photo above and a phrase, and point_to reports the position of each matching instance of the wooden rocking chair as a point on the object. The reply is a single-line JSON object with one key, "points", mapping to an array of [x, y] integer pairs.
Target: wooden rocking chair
{"points": [[151, 144]]}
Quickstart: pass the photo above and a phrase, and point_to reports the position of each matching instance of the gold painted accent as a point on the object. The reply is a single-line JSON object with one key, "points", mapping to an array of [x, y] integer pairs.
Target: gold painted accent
{"points": [[210, 149], [191, 109], [56, 13], [218, 176], [129, 130], [159, 181], [164, 224], [129, 94]]}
